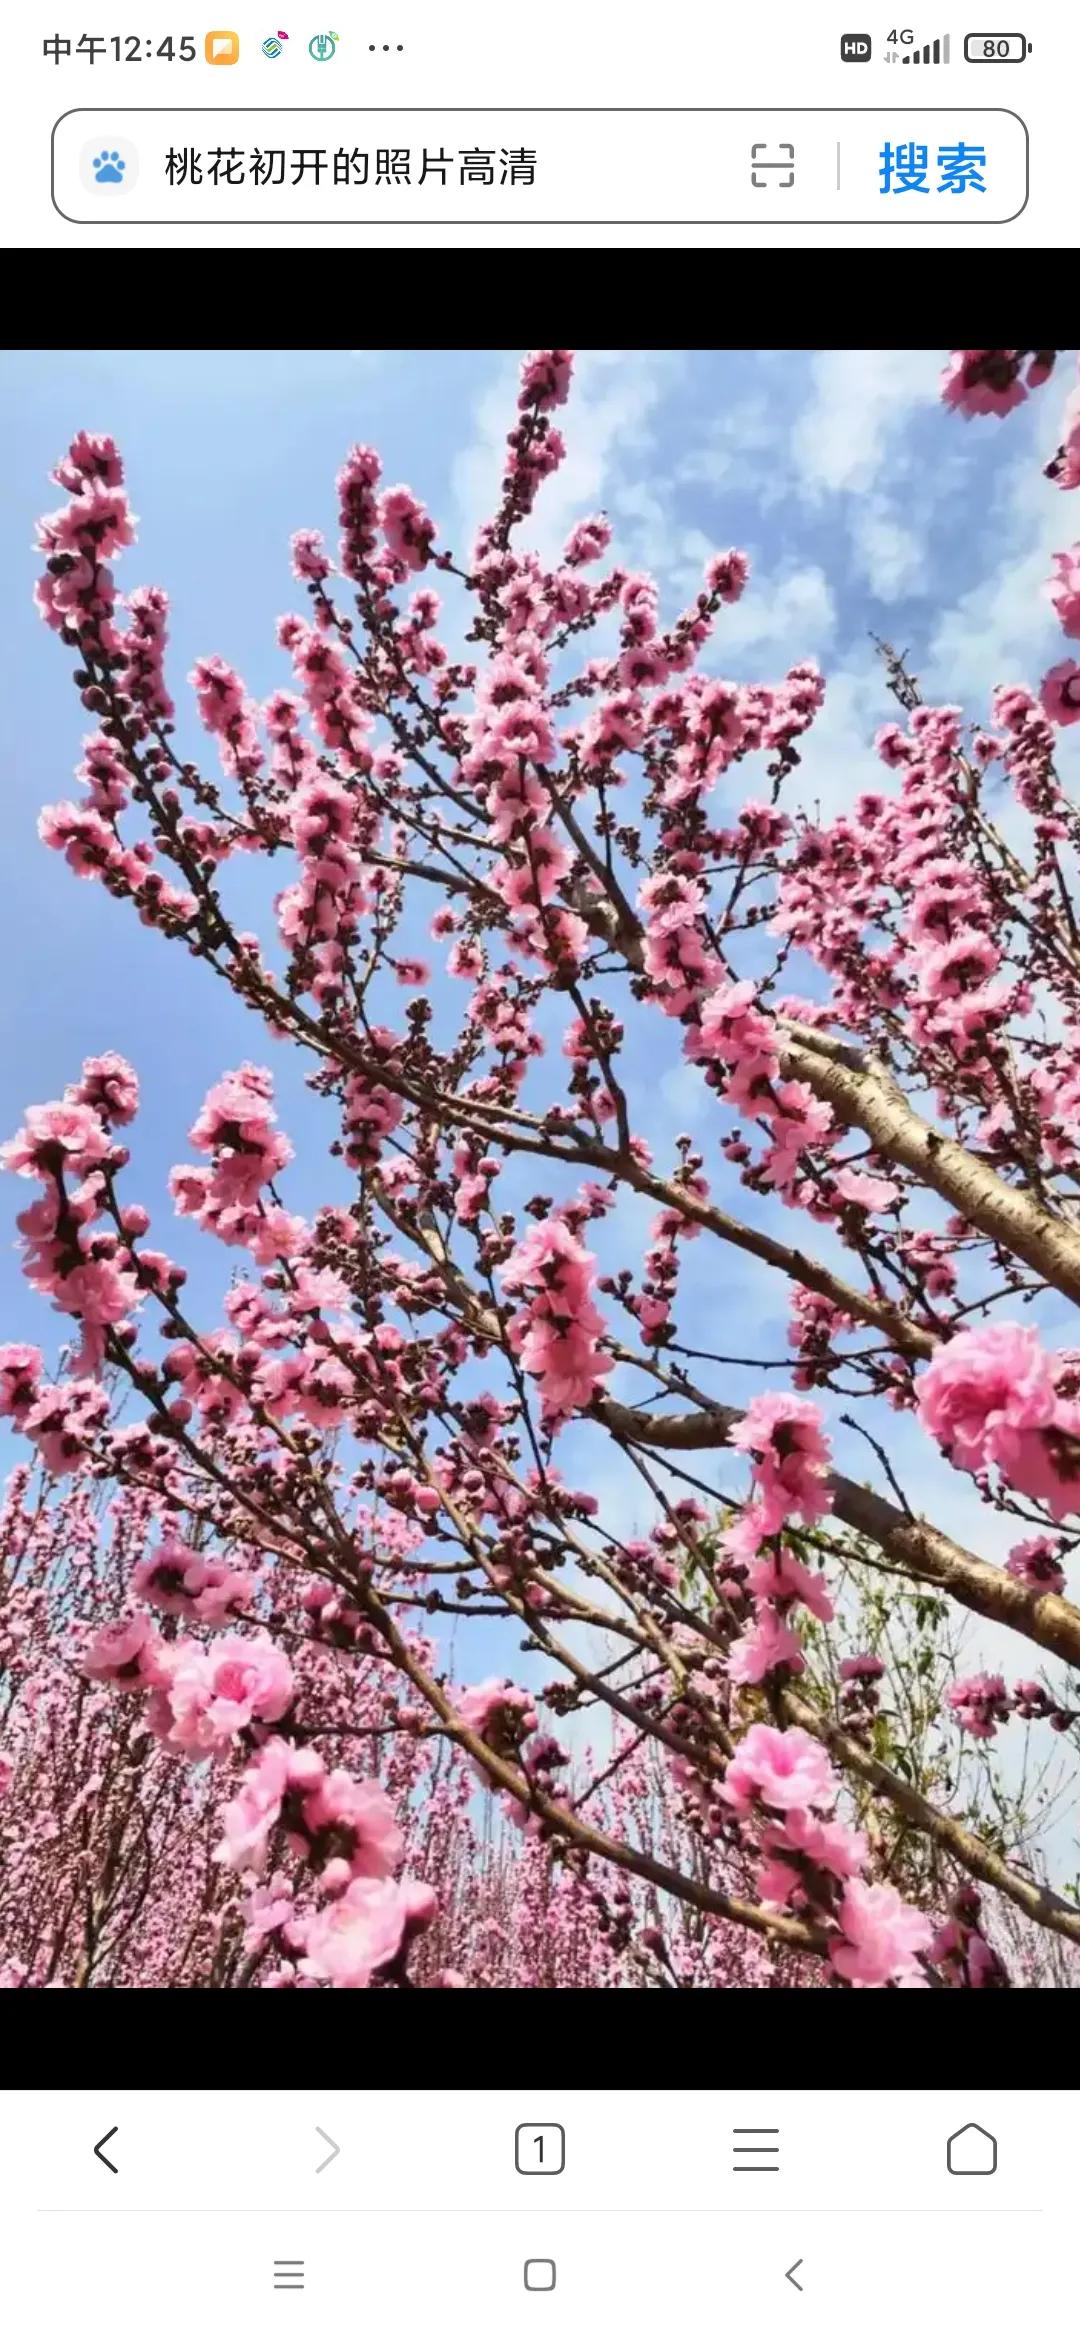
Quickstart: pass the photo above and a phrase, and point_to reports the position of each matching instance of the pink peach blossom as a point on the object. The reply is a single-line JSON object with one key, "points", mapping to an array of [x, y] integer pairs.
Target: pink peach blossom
{"points": [[786, 1770], [211, 1694], [883, 1937]]}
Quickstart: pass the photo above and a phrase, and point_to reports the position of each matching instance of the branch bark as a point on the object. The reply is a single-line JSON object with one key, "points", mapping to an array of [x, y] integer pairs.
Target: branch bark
{"points": [[1036, 1901], [866, 1101], [921, 1550]]}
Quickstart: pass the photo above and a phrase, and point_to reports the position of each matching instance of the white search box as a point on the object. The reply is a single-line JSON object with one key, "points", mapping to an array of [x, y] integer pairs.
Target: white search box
{"points": [[539, 166]]}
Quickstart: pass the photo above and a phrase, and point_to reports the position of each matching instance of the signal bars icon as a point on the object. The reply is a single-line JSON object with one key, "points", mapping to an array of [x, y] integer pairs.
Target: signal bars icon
{"points": [[934, 53]]}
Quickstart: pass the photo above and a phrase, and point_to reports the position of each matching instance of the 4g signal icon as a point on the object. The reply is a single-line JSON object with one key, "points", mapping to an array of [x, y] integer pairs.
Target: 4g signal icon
{"points": [[932, 53], [857, 49]]}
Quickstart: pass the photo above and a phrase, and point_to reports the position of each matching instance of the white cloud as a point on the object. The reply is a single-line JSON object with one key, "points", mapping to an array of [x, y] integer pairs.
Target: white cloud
{"points": [[861, 404], [1004, 629], [851, 441], [889, 554], [648, 536], [790, 616], [741, 445]]}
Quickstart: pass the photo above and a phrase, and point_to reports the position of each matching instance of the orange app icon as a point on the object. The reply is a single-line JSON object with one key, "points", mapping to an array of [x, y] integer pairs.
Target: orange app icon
{"points": [[222, 48]]}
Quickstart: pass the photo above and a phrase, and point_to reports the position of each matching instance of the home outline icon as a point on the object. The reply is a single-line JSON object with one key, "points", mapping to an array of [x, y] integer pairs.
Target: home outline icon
{"points": [[972, 2152]]}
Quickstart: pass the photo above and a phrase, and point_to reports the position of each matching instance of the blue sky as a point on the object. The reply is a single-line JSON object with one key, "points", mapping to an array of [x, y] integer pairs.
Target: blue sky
{"points": [[863, 505]]}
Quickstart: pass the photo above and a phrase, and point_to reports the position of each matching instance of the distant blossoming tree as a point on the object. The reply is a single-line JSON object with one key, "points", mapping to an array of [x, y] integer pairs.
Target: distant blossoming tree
{"points": [[239, 1575]]}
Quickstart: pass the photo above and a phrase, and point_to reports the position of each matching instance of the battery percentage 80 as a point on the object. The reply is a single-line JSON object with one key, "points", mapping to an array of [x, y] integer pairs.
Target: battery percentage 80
{"points": [[996, 48]]}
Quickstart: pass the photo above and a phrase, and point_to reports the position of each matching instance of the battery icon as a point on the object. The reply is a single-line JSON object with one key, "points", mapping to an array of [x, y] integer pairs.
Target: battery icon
{"points": [[996, 48]]}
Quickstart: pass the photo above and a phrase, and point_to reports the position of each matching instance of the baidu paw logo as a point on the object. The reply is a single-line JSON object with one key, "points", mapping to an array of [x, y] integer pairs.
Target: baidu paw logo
{"points": [[109, 166]]}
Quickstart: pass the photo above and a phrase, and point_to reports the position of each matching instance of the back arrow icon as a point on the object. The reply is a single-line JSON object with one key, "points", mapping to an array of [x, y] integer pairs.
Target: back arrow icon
{"points": [[790, 2277], [100, 2156], [331, 2156]]}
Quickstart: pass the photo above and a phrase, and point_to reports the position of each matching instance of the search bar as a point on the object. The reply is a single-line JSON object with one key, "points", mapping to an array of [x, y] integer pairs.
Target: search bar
{"points": [[540, 166]]}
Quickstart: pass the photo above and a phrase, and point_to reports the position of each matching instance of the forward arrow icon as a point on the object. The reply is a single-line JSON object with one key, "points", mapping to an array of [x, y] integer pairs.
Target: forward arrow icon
{"points": [[331, 2156]]}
